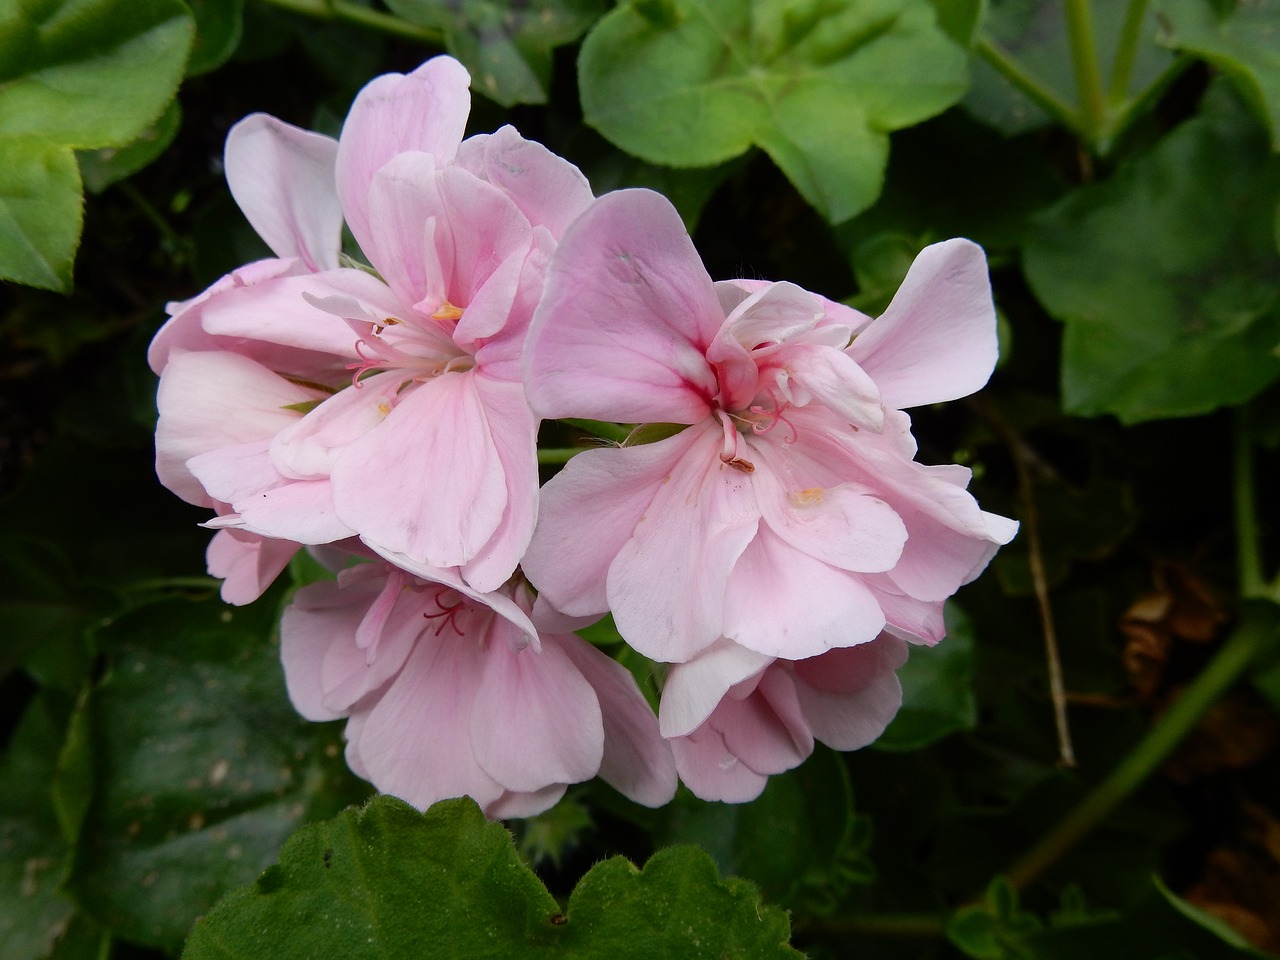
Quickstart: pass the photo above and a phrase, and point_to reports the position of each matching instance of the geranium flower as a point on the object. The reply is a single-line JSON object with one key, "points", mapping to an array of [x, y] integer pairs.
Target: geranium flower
{"points": [[789, 516], [736, 717], [402, 418], [450, 692]]}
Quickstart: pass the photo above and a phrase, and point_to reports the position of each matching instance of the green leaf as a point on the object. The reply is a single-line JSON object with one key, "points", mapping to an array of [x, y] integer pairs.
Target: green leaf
{"points": [[937, 690], [219, 24], [1244, 45], [1167, 275], [33, 910], [995, 930], [386, 881], [202, 767], [818, 85], [89, 73], [41, 210], [507, 47], [800, 840], [107, 165], [1034, 34]]}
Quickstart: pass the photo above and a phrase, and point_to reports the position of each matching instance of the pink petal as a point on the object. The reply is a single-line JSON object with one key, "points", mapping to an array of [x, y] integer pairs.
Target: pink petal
{"points": [[548, 189], [428, 481], [536, 720], [766, 730], [414, 742], [309, 447], [300, 510], [666, 586], [937, 339], [637, 761], [850, 695], [212, 400], [424, 111], [693, 689], [515, 804], [626, 318], [823, 373], [282, 179], [782, 603], [840, 525], [712, 771], [588, 511], [514, 431], [319, 617], [247, 564]]}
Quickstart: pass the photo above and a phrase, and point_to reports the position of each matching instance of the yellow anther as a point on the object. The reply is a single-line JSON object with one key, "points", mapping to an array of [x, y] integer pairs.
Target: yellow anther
{"points": [[807, 498], [447, 311]]}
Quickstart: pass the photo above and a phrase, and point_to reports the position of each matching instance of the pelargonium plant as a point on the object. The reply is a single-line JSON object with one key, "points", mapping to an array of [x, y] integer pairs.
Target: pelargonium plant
{"points": [[764, 536]]}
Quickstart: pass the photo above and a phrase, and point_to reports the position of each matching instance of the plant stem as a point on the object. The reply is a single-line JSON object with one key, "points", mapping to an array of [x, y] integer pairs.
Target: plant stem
{"points": [[350, 12], [1044, 98], [1255, 634], [1248, 556], [1127, 51], [1144, 100], [558, 454], [616, 432], [1084, 60]]}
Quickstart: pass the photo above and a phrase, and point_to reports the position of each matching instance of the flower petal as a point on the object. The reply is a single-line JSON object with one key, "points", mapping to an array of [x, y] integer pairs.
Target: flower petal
{"points": [[937, 339], [623, 327], [692, 689], [247, 564], [282, 179], [849, 695]]}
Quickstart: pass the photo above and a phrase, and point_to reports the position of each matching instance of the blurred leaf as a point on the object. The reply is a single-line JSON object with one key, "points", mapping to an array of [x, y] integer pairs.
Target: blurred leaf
{"points": [[506, 46], [551, 835], [72, 786], [202, 766], [1034, 33], [1244, 44], [386, 881], [41, 210], [937, 690], [1167, 275], [817, 85], [959, 18], [219, 24], [800, 840], [101, 168], [997, 929], [1159, 926], [89, 73], [34, 912], [1074, 525], [46, 608]]}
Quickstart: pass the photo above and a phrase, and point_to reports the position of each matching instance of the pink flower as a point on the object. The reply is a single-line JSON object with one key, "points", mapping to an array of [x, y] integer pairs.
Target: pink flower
{"points": [[382, 405], [789, 516], [450, 692], [735, 717]]}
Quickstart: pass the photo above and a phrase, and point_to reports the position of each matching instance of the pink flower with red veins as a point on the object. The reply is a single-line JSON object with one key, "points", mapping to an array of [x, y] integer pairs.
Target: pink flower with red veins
{"points": [[789, 515], [451, 692], [736, 717], [399, 415]]}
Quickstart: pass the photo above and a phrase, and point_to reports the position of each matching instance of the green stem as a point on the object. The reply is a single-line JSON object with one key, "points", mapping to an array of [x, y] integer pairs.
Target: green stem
{"points": [[1255, 634], [558, 454], [1084, 61], [1248, 555], [1144, 100], [1044, 98], [176, 243], [176, 583], [617, 432], [1127, 51], [350, 12]]}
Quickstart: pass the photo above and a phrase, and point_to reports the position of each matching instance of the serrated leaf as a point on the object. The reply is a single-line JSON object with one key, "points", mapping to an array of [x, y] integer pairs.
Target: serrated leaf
{"points": [[937, 690], [507, 47], [41, 211], [385, 881], [817, 85], [107, 165], [1034, 34], [1244, 45], [89, 73], [1167, 275], [202, 767]]}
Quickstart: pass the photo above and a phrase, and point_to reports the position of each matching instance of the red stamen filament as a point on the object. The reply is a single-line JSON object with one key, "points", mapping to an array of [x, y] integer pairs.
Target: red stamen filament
{"points": [[448, 615]]}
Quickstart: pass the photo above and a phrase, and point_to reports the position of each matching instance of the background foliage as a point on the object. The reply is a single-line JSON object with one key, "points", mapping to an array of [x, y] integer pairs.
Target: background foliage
{"points": [[1119, 163]]}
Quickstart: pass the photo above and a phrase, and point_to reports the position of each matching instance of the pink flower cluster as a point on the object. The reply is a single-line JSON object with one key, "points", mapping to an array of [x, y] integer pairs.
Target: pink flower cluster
{"points": [[775, 551]]}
